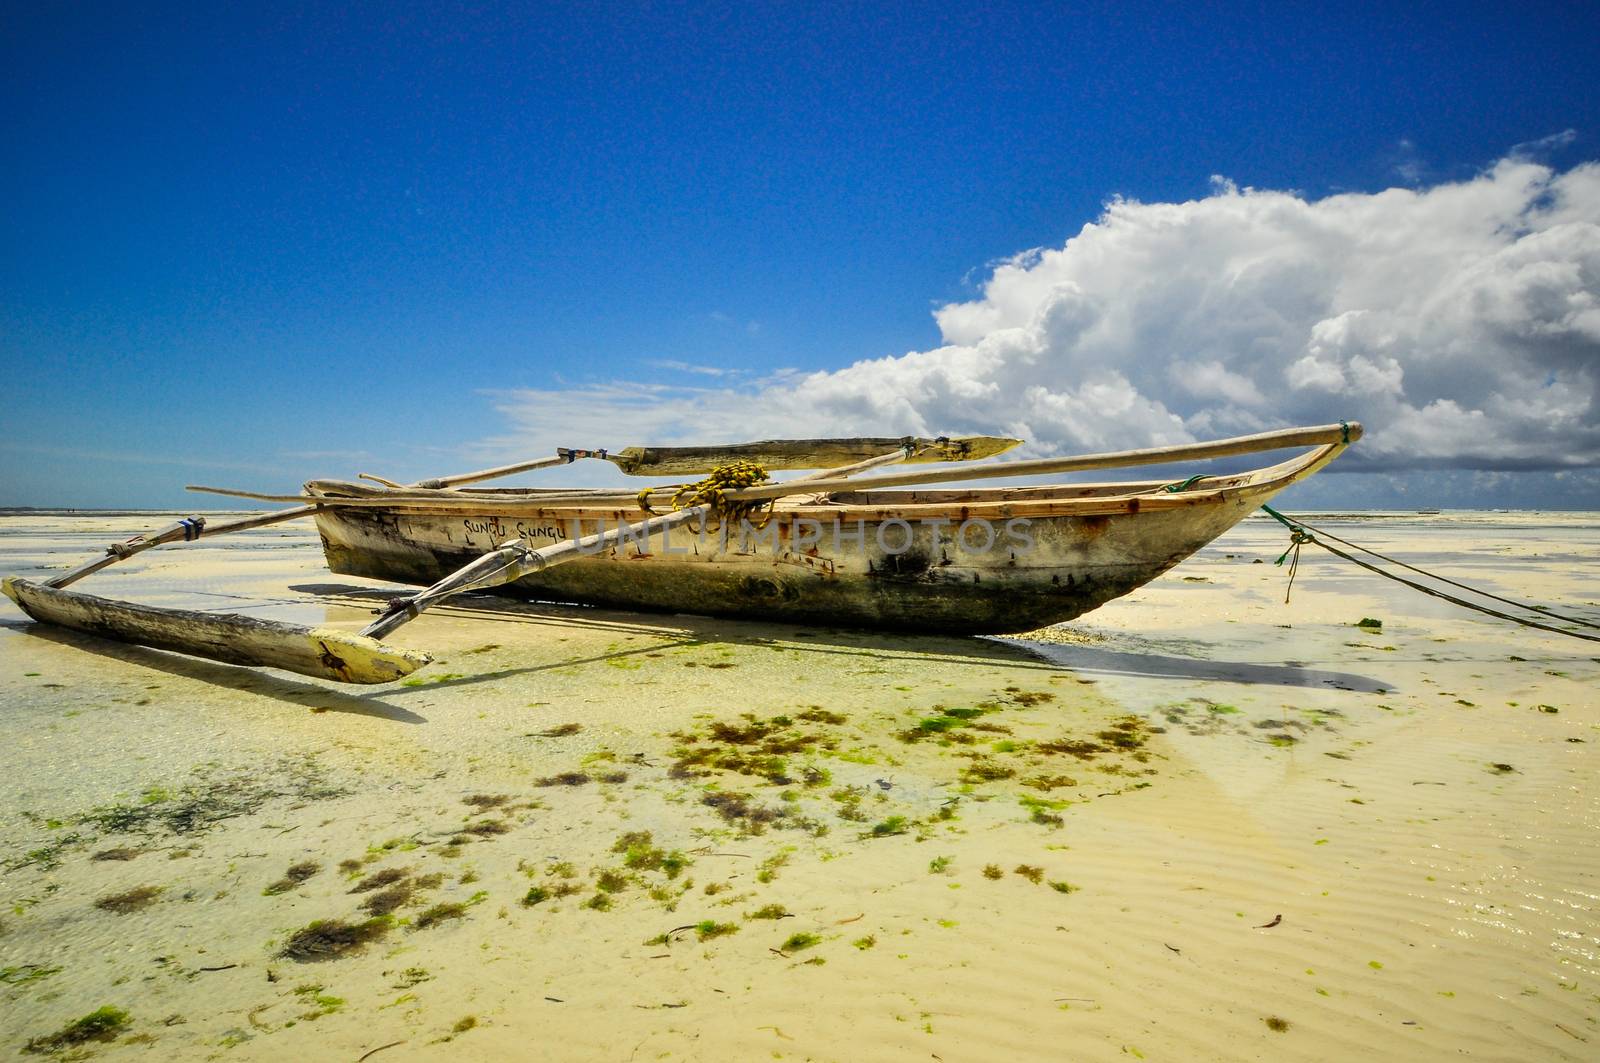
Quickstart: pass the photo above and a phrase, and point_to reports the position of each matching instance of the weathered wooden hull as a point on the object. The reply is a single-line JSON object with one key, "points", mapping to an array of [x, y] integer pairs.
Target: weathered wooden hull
{"points": [[1078, 548], [1076, 565]]}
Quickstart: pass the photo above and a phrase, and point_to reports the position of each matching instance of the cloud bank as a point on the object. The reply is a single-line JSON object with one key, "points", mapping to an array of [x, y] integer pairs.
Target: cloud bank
{"points": [[1459, 322]]}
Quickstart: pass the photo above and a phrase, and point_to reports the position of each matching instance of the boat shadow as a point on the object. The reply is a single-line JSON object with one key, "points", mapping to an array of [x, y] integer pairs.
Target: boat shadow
{"points": [[1092, 660], [681, 630], [233, 677]]}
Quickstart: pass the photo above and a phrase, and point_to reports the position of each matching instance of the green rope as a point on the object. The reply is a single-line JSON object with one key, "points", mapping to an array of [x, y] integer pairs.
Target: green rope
{"points": [[1344, 431], [1301, 534], [1185, 485], [1279, 517]]}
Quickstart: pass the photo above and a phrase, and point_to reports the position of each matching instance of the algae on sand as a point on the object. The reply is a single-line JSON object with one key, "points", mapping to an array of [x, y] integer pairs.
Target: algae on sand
{"points": [[329, 939], [102, 1024]]}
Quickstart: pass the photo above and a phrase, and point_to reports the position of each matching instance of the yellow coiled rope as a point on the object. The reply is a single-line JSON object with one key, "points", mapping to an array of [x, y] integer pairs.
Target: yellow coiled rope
{"points": [[712, 493]]}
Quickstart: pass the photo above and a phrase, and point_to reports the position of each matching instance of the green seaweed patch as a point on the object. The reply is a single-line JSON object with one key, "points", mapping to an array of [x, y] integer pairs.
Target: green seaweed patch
{"points": [[993, 871], [849, 800], [1033, 874], [1276, 1024], [561, 731], [755, 747], [1062, 887], [600, 902], [102, 1024], [799, 941], [1502, 769], [1047, 783], [770, 911], [484, 802], [22, 974], [323, 1003], [130, 900], [118, 853], [889, 828], [46, 857], [1125, 735], [198, 806], [982, 769], [385, 901], [446, 911], [379, 879], [818, 714], [739, 809], [331, 939], [640, 853], [1043, 811], [950, 725], [865, 943], [768, 869], [1371, 623], [581, 778], [294, 876], [707, 929]]}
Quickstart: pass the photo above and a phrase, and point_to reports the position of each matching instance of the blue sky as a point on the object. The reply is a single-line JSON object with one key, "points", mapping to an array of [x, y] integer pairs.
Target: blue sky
{"points": [[252, 248]]}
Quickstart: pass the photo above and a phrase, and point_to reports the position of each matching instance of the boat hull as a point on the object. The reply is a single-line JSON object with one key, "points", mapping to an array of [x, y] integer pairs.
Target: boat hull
{"points": [[928, 574]]}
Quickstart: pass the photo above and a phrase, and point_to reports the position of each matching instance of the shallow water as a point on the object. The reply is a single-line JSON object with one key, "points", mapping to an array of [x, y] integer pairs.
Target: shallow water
{"points": [[1254, 811]]}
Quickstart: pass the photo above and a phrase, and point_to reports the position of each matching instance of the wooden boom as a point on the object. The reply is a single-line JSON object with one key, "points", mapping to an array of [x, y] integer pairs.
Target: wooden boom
{"points": [[788, 454]]}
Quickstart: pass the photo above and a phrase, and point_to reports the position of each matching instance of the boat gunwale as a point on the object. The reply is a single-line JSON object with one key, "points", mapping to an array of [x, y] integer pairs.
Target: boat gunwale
{"points": [[1136, 497]]}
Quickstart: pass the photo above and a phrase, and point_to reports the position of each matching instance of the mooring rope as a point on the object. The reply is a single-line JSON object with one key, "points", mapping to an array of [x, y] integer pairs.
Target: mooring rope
{"points": [[1302, 533]]}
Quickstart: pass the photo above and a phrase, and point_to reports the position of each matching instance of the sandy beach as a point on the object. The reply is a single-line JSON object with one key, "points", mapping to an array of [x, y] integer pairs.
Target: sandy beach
{"points": [[1197, 823]]}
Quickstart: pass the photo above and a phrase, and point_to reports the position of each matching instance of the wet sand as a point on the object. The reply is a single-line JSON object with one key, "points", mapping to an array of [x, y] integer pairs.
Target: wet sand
{"points": [[1196, 823]]}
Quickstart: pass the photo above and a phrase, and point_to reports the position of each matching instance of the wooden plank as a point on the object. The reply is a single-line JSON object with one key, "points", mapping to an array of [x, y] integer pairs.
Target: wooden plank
{"points": [[322, 652], [783, 454]]}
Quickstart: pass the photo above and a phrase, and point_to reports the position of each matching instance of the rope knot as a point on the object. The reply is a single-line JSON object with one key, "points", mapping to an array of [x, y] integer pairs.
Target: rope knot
{"points": [[712, 492]]}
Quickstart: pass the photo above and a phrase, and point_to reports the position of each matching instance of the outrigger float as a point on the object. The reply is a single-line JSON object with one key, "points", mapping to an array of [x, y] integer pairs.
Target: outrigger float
{"points": [[884, 551]]}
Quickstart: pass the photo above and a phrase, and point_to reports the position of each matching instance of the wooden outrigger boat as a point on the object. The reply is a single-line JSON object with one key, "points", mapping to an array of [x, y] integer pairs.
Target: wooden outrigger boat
{"points": [[884, 551]]}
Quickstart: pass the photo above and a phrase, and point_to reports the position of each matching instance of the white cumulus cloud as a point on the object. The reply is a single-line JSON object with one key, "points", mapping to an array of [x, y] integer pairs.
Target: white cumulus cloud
{"points": [[1459, 322]]}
